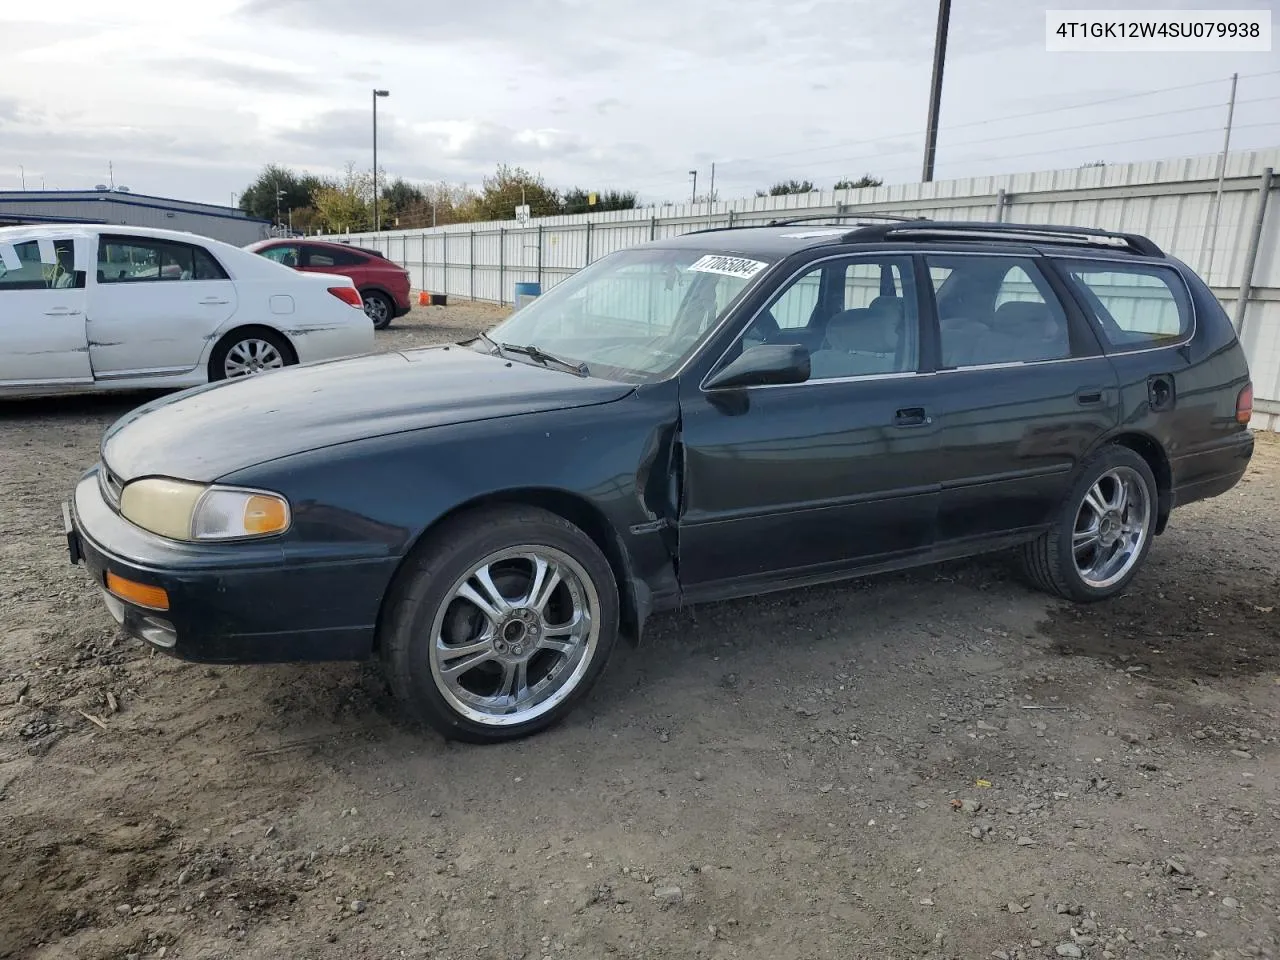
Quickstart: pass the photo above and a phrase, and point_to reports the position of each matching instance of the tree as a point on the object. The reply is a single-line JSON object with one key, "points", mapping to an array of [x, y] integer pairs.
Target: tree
{"points": [[399, 196], [866, 180], [347, 204], [578, 200], [298, 190], [441, 203], [785, 187], [507, 189]]}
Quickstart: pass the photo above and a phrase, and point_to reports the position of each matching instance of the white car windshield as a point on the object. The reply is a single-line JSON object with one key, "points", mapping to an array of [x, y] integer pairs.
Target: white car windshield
{"points": [[636, 315]]}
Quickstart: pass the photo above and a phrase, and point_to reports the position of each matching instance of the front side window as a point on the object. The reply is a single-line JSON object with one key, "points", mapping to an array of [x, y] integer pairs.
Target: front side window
{"points": [[39, 265], [996, 310], [636, 315], [1137, 305]]}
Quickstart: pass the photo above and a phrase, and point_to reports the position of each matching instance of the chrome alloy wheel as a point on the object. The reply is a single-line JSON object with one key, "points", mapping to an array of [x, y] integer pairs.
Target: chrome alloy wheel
{"points": [[251, 356], [1111, 528], [515, 635]]}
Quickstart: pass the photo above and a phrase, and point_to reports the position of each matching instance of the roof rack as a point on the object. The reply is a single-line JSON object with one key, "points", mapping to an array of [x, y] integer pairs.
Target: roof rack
{"points": [[844, 216], [1028, 232], [756, 224]]}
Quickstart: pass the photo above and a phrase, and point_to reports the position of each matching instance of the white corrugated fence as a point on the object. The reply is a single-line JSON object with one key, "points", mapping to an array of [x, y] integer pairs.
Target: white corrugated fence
{"points": [[1170, 201]]}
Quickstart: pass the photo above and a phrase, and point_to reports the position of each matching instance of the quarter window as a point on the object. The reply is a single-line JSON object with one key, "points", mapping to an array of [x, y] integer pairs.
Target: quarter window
{"points": [[23, 268], [1137, 305], [995, 310]]}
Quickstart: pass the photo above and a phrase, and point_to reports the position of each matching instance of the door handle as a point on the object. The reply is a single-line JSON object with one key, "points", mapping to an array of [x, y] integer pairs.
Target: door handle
{"points": [[62, 313], [213, 302], [911, 417], [1089, 396]]}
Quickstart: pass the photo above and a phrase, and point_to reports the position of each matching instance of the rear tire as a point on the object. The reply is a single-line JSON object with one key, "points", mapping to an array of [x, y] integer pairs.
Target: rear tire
{"points": [[1102, 533], [499, 624], [250, 351], [378, 308]]}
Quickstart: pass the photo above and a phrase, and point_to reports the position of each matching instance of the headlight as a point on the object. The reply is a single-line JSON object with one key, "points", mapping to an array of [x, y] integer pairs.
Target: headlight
{"points": [[181, 510]]}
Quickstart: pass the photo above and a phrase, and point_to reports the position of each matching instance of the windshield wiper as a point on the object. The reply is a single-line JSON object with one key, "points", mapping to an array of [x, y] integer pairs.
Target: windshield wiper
{"points": [[489, 340], [535, 353]]}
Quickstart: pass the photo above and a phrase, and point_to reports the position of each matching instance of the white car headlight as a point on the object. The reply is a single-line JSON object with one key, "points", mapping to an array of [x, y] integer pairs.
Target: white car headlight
{"points": [[181, 510]]}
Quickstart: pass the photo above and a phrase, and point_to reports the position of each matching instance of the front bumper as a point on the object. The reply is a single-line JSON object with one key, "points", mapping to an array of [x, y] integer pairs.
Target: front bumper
{"points": [[228, 603]]}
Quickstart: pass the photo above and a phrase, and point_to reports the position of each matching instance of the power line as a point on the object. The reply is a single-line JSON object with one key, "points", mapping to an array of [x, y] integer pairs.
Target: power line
{"points": [[975, 123], [1049, 131]]}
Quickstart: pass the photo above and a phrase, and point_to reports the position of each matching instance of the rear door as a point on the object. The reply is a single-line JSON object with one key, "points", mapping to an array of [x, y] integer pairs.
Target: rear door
{"points": [[1022, 393], [42, 313], [155, 304]]}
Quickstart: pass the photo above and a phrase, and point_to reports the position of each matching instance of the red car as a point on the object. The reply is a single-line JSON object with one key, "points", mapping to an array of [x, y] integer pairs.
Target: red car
{"points": [[383, 285]]}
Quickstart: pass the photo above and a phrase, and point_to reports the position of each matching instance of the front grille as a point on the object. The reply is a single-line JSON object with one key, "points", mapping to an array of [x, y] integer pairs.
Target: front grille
{"points": [[111, 486]]}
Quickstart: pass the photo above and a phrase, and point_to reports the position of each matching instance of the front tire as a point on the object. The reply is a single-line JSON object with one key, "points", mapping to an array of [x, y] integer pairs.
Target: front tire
{"points": [[500, 624], [1102, 533], [378, 308]]}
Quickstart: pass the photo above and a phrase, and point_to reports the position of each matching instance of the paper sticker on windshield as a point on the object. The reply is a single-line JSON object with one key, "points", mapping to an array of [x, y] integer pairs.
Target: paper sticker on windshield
{"points": [[9, 257], [728, 266]]}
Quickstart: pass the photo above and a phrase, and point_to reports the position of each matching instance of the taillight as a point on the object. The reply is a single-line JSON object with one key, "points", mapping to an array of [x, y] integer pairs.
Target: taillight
{"points": [[1244, 404], [348, 295]]}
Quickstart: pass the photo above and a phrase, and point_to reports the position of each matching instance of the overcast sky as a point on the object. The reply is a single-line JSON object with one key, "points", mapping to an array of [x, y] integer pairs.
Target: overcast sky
{"points": [[191, 100]]}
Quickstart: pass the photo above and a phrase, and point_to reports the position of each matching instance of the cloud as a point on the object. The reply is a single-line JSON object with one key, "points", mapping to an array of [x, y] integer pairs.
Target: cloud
{"points": [[242, 75]]}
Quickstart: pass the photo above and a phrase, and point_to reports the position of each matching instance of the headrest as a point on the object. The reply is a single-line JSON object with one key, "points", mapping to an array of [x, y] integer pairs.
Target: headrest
{"points": [[1022, 317], [887, 304], [863, 331]]}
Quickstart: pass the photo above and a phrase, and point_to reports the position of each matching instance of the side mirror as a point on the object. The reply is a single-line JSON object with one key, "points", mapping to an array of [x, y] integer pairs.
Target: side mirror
{"points": [[768, 363]]}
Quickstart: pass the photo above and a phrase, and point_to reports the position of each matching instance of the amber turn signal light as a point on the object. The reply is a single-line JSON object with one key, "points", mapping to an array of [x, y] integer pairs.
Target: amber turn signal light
{"points": [[153, 598], [264, 515]]}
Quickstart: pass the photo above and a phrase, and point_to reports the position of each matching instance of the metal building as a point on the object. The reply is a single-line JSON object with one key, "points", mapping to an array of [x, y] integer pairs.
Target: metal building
{"points": [[119, 206]]}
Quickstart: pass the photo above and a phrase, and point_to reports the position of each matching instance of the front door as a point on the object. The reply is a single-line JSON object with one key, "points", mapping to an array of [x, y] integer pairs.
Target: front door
{"points": [[42, 314], [155, 303], [804, 481], [1022, 393]]}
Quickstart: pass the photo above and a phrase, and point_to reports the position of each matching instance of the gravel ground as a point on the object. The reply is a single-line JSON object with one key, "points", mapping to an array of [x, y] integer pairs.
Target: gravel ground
{"points": [[936, 764]]}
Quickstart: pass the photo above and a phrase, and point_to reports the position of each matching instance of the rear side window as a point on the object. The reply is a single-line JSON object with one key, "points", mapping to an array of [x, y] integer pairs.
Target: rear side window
{"points": [[322, 257], [1137, 305], [147, 260], [996, 310]]}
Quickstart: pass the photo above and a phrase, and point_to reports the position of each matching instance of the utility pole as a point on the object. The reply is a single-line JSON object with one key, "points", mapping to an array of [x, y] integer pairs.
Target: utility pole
{"points": [[935, 88], [22, 173], [693, 197], [377, 223], [1210, 235]]}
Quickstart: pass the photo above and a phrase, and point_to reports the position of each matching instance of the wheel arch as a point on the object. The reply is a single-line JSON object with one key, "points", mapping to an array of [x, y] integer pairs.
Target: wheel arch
{"points": [[574, 508], [240, 329], [1152, 451]]}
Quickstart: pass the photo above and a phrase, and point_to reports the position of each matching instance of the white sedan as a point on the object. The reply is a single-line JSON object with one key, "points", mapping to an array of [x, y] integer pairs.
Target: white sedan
{"points": [[88, 308]]}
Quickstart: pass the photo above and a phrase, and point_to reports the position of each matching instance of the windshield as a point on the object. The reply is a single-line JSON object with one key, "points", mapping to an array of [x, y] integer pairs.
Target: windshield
{"points": [[636, 315]]}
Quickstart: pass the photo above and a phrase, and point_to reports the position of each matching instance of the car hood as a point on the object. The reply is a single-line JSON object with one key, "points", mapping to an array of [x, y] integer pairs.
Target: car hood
{"points": [[210, 431]]}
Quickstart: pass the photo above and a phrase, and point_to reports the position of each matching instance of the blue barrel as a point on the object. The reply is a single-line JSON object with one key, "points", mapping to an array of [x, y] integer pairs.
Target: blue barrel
{"points": [[525, 292]]}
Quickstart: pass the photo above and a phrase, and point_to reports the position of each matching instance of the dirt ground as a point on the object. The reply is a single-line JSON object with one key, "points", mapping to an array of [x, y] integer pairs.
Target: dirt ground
{"points": [[941, 764]]}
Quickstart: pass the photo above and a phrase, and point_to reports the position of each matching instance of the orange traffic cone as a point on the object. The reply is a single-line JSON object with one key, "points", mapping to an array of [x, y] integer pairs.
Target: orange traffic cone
{"points": [[423, 299]]}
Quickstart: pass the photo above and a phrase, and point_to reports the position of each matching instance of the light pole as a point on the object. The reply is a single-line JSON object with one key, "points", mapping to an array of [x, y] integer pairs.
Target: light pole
{"points": [[693, 197], [376, 94], [935, 88]]}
